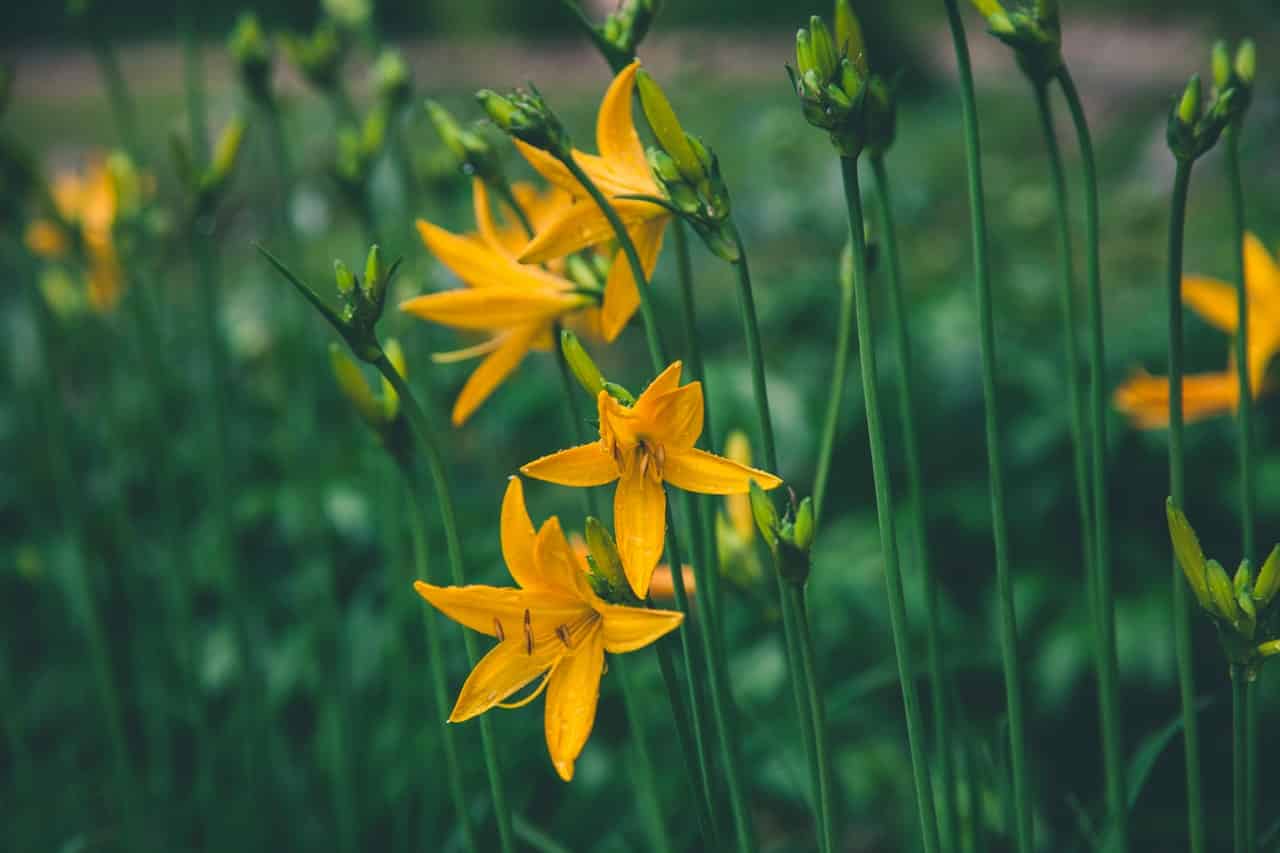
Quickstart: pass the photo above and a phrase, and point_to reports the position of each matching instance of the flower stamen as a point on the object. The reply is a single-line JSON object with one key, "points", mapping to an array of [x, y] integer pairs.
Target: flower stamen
{"points": [[497, 629], [528, 633]]}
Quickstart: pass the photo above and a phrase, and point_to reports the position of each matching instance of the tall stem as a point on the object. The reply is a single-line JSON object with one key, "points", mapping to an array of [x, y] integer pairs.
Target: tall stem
{"points": [[284, 170], [884, 512], [835, 395], [430, 447], [1240, 758], [435, 657], [947, 806], [655, 827], [122, 110], [813, 693], [995, 467], [755, 355], [1108, 665], [1181, 615]]}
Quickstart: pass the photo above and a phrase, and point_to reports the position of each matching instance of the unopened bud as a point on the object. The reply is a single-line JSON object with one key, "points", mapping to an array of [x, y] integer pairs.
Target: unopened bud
{"points": [[666, 127], [393, 79], [1189, 104], [802, 536], [583, 367], [1264, 589], [251, 51], [1243, 575], [1221, 64], [604, 556], [1247, 61], [226, 152], [1186, 547], [1269, 648], [765, 513], [825, 58], [374, 273], [804, 52], [1221, 592], [373, 132], [849, 35], [390, 398], [526, 116], [354, 387], [346, 281]]}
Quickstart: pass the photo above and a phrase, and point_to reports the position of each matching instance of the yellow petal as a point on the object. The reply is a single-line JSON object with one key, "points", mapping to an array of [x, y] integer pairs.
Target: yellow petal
{"points": [[1213, 300], [479, 265], [46, 239], [508, 667], [582, 224], [505, 241], [1260, 269], [621, 293], [584, 465], [667, 380], [558, 568], [640, 521], [549, 167], [492, 307], [517, 536], [1144, 398], [492, 371], [629, 628], [662, 587], [572, 697], [675, 418], [616, 136], [696, 470], [499, 611]]}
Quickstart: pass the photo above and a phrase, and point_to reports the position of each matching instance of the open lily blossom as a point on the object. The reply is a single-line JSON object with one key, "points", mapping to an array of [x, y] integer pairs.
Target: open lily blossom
{"points": [[516, 304], [553, 627], [1145, 398], [642, 447], [87, 202], [619, 170]]}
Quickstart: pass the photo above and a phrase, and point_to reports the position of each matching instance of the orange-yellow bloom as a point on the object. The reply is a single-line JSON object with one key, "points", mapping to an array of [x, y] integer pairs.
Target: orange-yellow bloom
{"points": [[620, 169], [552, 626], [1145, 398], [87, 202], [515, 303], [642, 447]]}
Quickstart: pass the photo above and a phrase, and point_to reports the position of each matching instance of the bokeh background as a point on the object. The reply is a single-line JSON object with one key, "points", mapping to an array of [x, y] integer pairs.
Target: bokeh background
{"points": [[322, 552]]}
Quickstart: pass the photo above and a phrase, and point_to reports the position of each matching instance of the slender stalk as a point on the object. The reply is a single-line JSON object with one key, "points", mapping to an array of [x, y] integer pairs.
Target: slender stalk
{"points": [[435, 657], [655, 828], [113, 79], [340, 723], [1239, 758], [1181, 615], [946, 804], [884, 512], [835, 395], [1025, 833], [813, 691], [430, 446], [1251, 764], [284, 170], [1108, 665], [751, 330]]}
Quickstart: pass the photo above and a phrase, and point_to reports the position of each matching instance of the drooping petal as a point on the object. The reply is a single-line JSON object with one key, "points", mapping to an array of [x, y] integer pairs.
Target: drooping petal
{"points": [[1144, 398], [640, 522], [1260, 270], [509, 666], [629, 628], [479, 265], [621, 292], [675, 418], [492, 307], [582, 224], [584, 465], [518, 536], [499, 611], [492, 371], [696, 470], [1213, 300], [616, 135], [572, 697]]}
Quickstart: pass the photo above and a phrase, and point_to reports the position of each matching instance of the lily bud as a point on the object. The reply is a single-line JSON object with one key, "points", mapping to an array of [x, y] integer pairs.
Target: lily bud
{"points": [[1243, 575], [825, 58], [606, 564], [1189, 104], [584, 369], [1246, 64], [390, 397], [1221, 591], [346, 281], [392, 78], [804, 53], [318, 56], [526, 116], [849, 36], [1221, 63], [666, 127], [251, 50], [766, 515], [1268, 583], [1186, 547], [1269, 648], [374, 285]]}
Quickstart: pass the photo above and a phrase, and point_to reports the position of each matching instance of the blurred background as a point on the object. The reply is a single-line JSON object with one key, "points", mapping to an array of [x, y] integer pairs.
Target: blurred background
{"points": [[334, 671]]}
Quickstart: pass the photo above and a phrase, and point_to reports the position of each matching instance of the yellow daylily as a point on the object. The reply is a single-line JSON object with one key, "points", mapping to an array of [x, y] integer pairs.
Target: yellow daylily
{"points": [[642, 447], [516, 303], [1145, 398], [552, 625], [87, 202], [620, 169]]}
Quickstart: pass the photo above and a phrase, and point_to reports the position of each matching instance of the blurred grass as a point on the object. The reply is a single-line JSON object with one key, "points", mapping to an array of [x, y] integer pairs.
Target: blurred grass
{"points": [[318, 513]]}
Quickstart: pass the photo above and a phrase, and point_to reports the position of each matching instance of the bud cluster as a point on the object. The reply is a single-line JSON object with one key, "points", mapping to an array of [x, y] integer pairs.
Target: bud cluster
{"points": [[251, 50], [526, 116], [392, 79], [1240, 605], [789, 536], [475, 155], [208, 182], [319, 56], [624, 29], [1235, 75], [1033, 31], [1192, 130]]}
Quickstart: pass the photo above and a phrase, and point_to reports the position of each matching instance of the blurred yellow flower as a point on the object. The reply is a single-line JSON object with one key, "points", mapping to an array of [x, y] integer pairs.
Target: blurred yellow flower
{"points": [[516, 303], [619, 170], [643, 446], [553, 625], [87, 203], [1145, 398]]}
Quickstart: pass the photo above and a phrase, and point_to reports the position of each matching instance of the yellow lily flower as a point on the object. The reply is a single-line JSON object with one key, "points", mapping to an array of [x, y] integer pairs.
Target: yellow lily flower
{"points": [[1145, 398], [516, 303], [619, 170], [552, 626], [88, 202], [642, 447]]}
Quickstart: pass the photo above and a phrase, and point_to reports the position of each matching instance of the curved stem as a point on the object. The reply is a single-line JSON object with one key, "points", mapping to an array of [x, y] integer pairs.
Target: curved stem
{"points": [[435, 655], [835, 395], [1108, 665], [1181, 616], [884, 512], [947, 806], [995, 467], [430, 447]]}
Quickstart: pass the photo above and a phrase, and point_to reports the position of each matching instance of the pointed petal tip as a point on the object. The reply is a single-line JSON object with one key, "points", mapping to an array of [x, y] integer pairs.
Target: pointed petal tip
{"points": [[565, 770]]}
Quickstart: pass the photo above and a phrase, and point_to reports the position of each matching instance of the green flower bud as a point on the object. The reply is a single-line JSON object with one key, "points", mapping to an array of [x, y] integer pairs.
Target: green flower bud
{"points": [[1243, 575], [1189, 104], [352, 14], [1246, 61], [849, 35], [392, 77], [319, 56], [1247, 623], [1221, 592], [1268, 583], [583, 367], [619, 393], [1221, 64], [390, 398], [526, 116], [606, 564], [804, 53], [1269, 648], [346, 281], [765, 514], [251, 51], [825, 57], [804, 525], [1186, 547], [666, 127], [475, 155]]}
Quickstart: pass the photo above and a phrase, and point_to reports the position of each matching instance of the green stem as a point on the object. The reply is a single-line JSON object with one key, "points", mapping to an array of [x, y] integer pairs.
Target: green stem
{"points": [[339, 722], [835, 395], [947, 806], [1108, 665], [284, 171], [751, 330], [1181, 615], [647, 789], [430, 446], [435, 658], [1025, 833], [1251, 765], [804, 715], [688, 747], [813, 692], [884, 512], [122, 110], [1240, 757]]}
